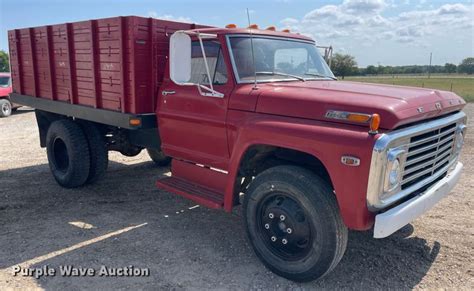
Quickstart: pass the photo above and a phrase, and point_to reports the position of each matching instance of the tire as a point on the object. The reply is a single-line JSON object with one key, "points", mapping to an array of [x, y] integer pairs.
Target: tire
{"points": [[99, 155], [68, 153], [5, 108], [318, 237], [158, 157]]}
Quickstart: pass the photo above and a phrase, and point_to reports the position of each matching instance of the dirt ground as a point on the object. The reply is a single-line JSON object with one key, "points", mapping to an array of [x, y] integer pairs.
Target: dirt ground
{"points": [[124, 220]]}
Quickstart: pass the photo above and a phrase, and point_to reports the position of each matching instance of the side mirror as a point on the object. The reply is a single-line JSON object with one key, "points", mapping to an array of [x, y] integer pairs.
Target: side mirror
{"points": [[180, 58]]}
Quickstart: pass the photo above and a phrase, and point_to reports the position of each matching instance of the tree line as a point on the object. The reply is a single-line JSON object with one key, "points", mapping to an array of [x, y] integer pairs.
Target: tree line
{"points": [[346, 65]]}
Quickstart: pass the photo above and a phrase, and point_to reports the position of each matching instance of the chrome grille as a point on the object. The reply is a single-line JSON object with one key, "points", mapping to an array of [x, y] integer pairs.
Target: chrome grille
{"points": [[428, 153]]}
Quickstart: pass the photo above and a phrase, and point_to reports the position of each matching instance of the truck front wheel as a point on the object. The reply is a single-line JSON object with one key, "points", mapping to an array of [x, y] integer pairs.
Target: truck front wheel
{"points": [[5, 108], [68, 153], [293, 223]]}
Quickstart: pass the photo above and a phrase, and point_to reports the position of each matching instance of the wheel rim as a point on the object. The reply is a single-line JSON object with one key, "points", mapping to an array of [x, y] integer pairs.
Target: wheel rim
{"points": [[284, 227], [60, 155], [6, 108]]}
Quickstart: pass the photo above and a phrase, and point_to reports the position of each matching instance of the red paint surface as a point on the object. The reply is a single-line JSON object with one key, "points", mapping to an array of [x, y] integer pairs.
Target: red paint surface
{"points": [[4, 91], [121, 64], [114, 63]]}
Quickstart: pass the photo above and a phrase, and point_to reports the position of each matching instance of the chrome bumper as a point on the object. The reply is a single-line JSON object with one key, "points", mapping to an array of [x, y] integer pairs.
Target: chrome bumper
{"points": [[392, 220]]}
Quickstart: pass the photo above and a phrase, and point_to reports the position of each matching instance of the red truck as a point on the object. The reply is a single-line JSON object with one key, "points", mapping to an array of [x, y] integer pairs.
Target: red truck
{"points": [[245, 115], [6, 106]]}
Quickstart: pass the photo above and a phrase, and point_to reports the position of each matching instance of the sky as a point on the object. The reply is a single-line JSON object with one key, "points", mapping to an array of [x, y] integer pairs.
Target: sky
{"points": [[375, 32]]}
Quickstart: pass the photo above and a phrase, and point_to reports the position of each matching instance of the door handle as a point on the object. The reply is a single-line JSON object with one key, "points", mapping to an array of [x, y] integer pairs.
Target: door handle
{"points": [[166, 93]]}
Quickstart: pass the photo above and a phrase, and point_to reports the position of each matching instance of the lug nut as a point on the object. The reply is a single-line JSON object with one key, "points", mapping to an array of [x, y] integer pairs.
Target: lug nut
{"points": [[267, 226], [284, 241], [282, 217], [273, 238], [271, 215], [289, 230]]}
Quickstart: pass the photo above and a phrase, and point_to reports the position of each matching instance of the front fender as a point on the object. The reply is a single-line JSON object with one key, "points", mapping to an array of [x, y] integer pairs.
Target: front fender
{"points": [[325, 141]]}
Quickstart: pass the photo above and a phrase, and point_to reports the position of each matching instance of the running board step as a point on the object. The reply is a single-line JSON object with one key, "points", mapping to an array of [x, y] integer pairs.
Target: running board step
{"points": [[189, 190]]}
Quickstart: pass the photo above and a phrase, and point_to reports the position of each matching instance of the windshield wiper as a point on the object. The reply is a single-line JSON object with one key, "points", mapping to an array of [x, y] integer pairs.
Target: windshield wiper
{"points": [[320, 76], [281, 74]]}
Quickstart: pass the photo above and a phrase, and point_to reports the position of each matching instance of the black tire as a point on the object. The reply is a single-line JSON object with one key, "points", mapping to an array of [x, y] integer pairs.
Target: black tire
{"points": [[318, 237], [5, 108], [158, 157], [99, 155], [68, 153]]}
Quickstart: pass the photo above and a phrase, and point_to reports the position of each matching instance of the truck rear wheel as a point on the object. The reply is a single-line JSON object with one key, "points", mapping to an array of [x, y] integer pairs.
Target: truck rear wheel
{"points": [[293, 223], [5, 108], [99, 155], [68, 153], [158, 157]]}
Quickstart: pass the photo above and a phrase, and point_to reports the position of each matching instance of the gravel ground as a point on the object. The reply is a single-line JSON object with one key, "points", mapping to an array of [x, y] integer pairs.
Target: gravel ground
{"points": [[124, 220]]}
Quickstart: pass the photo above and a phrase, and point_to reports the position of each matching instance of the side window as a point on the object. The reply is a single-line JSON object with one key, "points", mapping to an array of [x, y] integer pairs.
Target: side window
{"points": [[215, 60], [292, 60]]}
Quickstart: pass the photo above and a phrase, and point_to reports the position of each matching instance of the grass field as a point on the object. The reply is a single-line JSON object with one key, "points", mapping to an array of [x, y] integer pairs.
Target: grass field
{"points": [[461, 85]]}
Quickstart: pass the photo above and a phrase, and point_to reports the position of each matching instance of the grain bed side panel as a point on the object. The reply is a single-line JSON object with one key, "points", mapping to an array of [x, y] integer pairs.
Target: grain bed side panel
{"points": [[27, 63], [15, 69], [62, 65], [113, 63], [41, 56], [82, 54]]}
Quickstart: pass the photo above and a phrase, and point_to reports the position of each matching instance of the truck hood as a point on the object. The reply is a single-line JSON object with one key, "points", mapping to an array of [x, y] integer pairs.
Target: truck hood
{"points": [[396, 105]]}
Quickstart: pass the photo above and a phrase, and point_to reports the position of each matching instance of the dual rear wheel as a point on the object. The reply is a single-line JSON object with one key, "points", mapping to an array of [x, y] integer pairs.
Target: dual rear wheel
{"points": [[77, 153]]}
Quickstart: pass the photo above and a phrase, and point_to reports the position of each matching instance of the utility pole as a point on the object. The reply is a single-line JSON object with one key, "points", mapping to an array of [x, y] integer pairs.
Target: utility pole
{"points": [[429, 68]]}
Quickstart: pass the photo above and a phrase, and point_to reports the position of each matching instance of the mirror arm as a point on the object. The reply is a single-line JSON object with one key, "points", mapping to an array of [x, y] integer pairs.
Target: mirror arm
{"points": [[205, 61], [213, 93]]}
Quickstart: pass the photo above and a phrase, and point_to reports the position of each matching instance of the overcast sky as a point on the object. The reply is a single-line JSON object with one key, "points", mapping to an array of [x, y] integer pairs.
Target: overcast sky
{"points": [[386, 32]]}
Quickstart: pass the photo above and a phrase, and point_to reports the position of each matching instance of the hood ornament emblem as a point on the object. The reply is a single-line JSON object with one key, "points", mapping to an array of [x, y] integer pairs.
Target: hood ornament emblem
{"points": [[438, 105]]}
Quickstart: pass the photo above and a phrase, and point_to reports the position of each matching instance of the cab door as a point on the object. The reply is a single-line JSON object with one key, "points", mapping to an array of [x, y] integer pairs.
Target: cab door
{"points": [[192, 126]]}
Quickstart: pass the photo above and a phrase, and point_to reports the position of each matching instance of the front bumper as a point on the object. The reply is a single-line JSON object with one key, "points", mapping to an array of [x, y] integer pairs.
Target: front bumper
{"points": [[392, 220]]}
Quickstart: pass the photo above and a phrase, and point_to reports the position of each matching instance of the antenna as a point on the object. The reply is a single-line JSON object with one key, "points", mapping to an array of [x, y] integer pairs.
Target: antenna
{"points": [[253, 55]]}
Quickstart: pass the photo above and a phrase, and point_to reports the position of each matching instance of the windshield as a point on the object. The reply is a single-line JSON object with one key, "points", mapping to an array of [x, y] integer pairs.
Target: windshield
{"points": [[4, 81], [277, 60]]}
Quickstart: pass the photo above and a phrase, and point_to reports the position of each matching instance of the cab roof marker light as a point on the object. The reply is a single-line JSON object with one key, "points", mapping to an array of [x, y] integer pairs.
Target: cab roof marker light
{"points": [[271, 28], [231, 25], [286, 30], [253, 26]]}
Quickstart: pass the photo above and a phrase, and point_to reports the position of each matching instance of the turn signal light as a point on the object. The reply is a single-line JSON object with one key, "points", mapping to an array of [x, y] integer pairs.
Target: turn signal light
{"points": [[372, 120], [374, 123], [285, 30], [231, 25], [135, 121], [253, 26], [272, 28], [357, 117]]}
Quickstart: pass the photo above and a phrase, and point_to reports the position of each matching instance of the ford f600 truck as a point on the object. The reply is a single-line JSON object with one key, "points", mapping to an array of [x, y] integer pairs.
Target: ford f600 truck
{"points": [[244, 115]]}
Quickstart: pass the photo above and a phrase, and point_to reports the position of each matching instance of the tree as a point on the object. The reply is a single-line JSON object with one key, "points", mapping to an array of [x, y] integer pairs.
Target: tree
{"points": [[344, 65], [450, 68], [4, 63], [371, 70], [467, 66]]}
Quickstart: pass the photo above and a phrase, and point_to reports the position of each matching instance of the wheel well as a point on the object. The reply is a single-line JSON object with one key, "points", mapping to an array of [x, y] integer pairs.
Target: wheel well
{"points": [[258, 158]]}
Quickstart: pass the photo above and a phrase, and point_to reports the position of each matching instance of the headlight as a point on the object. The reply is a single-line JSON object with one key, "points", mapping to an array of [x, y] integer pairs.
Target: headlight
{"points": [[459, 141], [393, 174]]}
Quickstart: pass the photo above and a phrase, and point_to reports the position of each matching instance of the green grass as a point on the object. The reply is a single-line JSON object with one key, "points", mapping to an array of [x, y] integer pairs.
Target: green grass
{"points": [[461, 85]]}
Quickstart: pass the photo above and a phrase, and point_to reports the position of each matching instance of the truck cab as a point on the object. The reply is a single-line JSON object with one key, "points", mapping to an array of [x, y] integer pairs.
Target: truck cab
{"points": [[247, 116], [269, 109]]}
